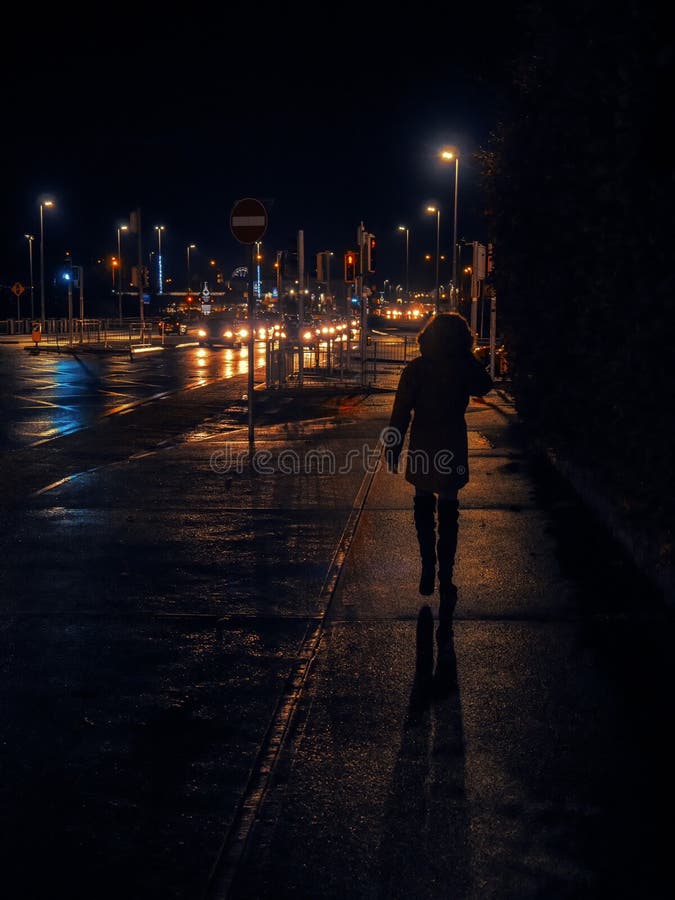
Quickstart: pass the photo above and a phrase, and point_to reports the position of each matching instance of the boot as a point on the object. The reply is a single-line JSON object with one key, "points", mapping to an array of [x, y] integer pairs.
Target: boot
{"points": [[446, 548], [424, 508]]}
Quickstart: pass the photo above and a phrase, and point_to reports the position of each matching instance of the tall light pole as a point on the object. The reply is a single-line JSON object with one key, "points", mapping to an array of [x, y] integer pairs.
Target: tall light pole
{"points": [[189, 247], [437, 210], [80, 288], [407, 258], [30, 238], [42, 258], [448, 155], [120, 229], [160, 275]]}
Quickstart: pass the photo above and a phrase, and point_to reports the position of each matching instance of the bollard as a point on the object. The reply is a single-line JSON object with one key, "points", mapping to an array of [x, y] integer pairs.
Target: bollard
{"points": [[36, 333]]}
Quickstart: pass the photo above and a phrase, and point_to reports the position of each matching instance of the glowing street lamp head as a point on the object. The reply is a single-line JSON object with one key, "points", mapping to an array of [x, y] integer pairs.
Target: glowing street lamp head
{"points": [[432, 209], [449, 153], [47, 202]]}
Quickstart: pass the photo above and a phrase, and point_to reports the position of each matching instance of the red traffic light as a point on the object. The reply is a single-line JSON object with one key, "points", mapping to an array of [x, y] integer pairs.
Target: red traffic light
{"points": [[350, 266], [371, 252]]}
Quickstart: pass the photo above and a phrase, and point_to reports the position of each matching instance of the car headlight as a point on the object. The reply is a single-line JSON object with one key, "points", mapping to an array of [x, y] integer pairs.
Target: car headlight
{"points": [[227, 334], [243, 332], [307, 336], [201, 333]]}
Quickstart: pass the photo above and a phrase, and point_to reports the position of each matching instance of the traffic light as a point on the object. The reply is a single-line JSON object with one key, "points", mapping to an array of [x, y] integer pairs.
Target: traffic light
{"points": [[146, 277], [350, 266], [370, 252]]}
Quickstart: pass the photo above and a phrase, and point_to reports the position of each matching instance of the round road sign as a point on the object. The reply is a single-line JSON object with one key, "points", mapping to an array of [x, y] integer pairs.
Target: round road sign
{"points": [[248, 220]]}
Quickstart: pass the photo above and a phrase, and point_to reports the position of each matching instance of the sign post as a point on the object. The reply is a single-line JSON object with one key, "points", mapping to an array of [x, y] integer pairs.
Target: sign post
{"points": [[248, 223], [17, 290]]}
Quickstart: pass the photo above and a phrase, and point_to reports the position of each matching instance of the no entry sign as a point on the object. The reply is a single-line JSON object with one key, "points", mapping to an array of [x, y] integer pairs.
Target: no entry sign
{"points": [[248, 220]]}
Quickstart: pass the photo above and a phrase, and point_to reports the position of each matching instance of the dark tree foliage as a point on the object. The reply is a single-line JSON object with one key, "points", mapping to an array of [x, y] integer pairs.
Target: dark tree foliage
{"points": [[579, 175]]}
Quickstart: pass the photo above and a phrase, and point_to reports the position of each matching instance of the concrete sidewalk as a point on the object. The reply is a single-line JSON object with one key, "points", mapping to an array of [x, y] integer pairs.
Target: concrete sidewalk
{"points": [[533, 768]]}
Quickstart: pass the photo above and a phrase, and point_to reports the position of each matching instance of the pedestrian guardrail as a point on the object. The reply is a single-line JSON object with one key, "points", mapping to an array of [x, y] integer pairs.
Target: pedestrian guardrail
{"points": [[337, 361], [69, 335]]}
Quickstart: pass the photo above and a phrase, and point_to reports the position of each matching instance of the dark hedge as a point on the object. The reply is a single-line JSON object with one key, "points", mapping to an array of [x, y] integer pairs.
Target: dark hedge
{"points": [[579, 176]]}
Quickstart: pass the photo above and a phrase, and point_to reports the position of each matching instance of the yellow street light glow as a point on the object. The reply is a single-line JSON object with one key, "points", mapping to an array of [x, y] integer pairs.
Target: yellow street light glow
{"points": [[450, 154]]}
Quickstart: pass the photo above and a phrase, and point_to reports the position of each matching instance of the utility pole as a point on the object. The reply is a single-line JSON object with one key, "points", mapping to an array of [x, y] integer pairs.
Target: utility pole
{"points": [[135, 228], [361, 238], [478, 272], [301, 307], [251, 352], [70, 306]]}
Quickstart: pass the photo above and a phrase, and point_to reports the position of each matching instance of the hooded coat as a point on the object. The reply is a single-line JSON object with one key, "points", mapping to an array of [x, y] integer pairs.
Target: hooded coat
{"points": [[434, 390]]}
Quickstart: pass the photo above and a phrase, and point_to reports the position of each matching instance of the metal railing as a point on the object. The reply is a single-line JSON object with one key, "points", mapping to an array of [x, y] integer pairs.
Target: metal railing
{"points": [[97, 334], [338, 362]]}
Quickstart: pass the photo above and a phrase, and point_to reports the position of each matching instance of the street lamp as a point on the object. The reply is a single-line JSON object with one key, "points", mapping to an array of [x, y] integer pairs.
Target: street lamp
{"points": [[437, 210], [448, 155], [189, 247], [160, 276], [407, 257], [30, 238], [120, 229], [42, 258]]}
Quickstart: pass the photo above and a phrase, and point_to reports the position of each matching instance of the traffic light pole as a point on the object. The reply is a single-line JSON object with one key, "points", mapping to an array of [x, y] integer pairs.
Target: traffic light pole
{"points": [[251, 352], [361, 239], [70, 308], [141, 311]]}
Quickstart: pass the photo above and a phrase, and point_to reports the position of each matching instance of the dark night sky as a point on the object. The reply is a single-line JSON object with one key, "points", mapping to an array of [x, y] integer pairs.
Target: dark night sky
{"points": [[328, 124]]}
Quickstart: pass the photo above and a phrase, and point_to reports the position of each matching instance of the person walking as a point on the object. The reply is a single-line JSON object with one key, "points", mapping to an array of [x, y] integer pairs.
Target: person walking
{"points": [[434, 391]]}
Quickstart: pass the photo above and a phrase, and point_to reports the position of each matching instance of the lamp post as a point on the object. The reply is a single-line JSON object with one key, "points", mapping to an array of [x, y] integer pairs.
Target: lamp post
{"points": [[80, 288], [42, 258], [160, 275], [120, 229], [448, 155], [437, 210], [407, 257], [30, 238], [189, 247]]}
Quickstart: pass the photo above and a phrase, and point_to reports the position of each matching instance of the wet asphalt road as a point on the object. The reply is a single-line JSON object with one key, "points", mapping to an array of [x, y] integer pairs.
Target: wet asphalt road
{"points": [[47, 394], [153, 606]]}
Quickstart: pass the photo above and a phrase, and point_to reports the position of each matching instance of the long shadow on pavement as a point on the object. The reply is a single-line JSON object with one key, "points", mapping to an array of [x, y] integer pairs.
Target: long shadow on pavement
{"points": [[425, 846]]}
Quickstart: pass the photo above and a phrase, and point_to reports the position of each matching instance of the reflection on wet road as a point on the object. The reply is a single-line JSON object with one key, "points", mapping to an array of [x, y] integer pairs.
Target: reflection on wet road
{"points": [[48, 395]]}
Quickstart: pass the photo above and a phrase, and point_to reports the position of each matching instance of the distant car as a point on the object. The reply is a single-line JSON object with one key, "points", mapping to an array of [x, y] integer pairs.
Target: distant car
{"points": [[173, 325], [221, 331]]}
